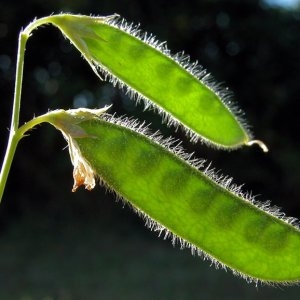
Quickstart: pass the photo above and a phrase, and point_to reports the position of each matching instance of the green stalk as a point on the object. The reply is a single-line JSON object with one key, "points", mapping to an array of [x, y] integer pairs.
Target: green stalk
{"points": [[14, 137], [15, 134]]}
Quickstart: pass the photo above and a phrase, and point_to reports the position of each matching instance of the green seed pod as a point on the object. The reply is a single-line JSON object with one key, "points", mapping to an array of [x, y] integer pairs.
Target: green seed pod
{"points": [[180, 198], [182, 91]]}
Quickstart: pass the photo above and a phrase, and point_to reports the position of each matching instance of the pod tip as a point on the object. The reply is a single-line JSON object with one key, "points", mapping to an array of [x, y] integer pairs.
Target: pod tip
{"points": [[259, 143]]}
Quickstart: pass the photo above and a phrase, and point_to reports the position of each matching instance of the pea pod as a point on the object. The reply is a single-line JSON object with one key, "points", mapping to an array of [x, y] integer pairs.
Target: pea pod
{"points": [[181, 91], [180, 197]]}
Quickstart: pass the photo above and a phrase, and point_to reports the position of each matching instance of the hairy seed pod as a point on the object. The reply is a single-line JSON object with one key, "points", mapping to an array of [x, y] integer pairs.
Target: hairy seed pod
{"points": [[182, 199], [182, 91]]}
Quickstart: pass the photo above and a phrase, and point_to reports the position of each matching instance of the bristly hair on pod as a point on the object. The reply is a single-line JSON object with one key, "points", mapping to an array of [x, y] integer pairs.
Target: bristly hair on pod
{"points": [[183, 61], [172, 145]]}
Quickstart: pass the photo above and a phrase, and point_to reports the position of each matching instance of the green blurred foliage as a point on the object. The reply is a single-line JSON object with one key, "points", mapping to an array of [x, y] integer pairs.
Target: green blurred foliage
{"points": [[253, 48]]}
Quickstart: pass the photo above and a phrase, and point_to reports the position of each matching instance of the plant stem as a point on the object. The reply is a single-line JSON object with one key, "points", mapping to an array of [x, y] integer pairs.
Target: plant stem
{"points": [[13, 136]]}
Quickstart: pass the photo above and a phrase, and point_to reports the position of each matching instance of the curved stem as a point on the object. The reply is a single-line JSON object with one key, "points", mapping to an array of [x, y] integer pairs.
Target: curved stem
{"points": [[12, 145], [13, 137], [14, 134]]}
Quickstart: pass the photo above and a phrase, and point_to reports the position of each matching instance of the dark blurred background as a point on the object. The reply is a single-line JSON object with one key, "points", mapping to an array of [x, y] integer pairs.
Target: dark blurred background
{"points": [[58, 245]]}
